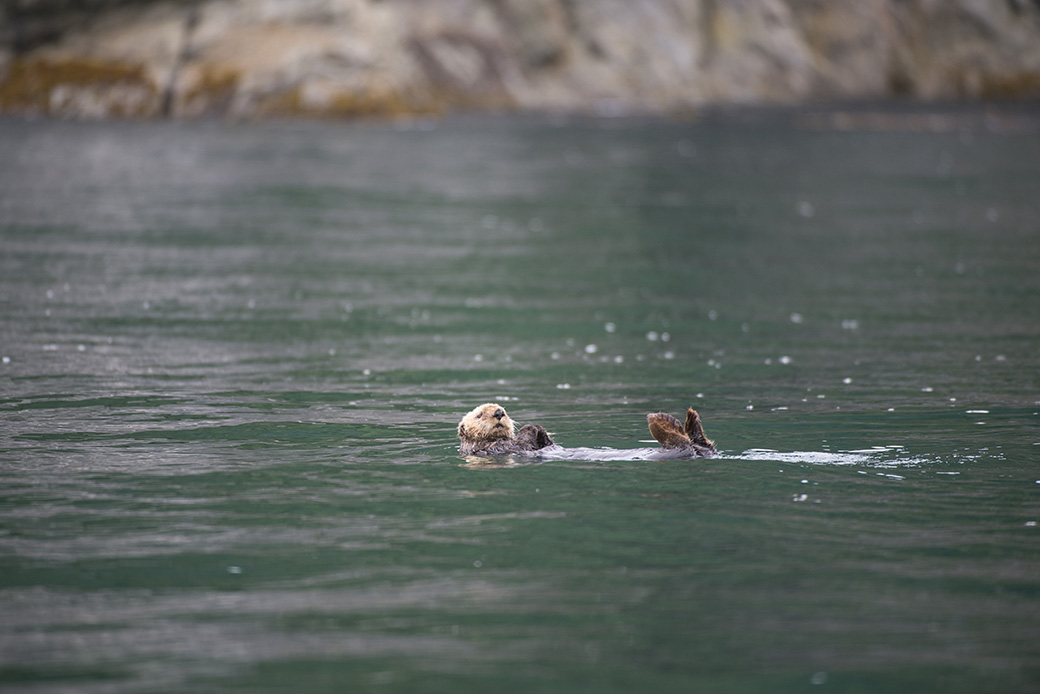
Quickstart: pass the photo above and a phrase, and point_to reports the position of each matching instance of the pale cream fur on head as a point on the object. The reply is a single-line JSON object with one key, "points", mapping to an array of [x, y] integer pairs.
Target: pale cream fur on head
{"points": [[482, 424]]}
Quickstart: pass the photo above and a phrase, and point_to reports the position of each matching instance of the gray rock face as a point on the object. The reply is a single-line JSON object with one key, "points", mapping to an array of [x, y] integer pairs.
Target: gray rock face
{"points": [[255, 58]]}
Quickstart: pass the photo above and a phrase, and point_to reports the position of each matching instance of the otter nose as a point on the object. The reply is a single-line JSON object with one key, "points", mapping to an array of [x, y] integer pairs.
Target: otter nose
{"points": [[499, 413]]}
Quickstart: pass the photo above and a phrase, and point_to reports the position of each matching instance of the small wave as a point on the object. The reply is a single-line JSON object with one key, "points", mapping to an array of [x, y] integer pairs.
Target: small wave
{"points": [[876, 457], [811, 457]]}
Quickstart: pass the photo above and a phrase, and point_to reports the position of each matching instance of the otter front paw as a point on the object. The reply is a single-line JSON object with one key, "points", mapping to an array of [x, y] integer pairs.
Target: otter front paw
{"points": [[532, 437]]}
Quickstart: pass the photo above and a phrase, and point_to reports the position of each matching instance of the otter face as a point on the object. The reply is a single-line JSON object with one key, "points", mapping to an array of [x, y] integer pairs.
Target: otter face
{"points": [[486, 423]]}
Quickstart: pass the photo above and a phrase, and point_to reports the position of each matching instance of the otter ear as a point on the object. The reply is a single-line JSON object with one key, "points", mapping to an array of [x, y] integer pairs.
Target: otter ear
{"points": [[667, 430]]}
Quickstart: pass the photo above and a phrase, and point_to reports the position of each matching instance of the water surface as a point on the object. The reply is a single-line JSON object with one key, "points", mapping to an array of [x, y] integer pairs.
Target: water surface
{"points": [[234, 357]]}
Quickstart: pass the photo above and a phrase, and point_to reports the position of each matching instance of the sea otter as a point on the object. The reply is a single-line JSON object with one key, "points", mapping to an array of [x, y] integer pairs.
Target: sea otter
{"points": [[488, 430]]}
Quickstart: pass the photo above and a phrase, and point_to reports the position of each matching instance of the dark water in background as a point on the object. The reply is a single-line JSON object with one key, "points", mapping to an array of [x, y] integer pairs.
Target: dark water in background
{"points": [[234, 357]]}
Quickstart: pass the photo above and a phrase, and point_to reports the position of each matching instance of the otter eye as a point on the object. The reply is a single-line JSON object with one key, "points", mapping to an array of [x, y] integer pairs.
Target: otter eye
{"points": [[480, 415]]}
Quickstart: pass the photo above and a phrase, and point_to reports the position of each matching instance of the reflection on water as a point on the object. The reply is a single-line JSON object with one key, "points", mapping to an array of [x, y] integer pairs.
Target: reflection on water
{"points": [[481, 462], [232, 359]]}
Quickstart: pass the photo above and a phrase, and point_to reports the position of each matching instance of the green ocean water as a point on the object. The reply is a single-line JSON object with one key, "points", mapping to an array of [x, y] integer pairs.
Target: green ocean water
{"points": [[234, 357]]}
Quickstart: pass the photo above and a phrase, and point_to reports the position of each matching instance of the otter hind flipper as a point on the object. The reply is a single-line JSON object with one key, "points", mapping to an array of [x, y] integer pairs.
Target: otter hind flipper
{"points": [[667, 430], [695, 430]]}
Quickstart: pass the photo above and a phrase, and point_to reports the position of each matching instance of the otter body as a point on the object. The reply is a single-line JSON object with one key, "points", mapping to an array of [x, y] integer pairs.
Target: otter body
{"points": [[488, 430]]}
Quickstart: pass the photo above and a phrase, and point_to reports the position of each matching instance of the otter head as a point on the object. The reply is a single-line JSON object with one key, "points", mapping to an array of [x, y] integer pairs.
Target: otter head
{"points": [[486, 423]]}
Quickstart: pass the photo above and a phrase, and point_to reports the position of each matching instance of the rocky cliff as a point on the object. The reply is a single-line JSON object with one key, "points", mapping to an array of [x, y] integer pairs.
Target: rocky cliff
{"points": [[255, 58]]}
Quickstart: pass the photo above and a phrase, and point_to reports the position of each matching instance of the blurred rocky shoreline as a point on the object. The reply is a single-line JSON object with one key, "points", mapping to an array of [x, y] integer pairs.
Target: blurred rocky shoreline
{"points": [[398, 58]]}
